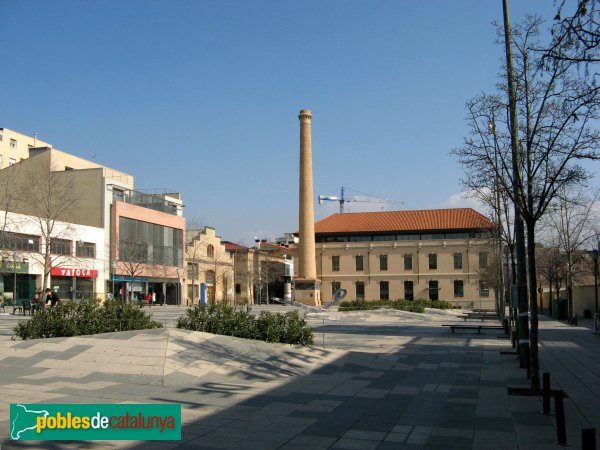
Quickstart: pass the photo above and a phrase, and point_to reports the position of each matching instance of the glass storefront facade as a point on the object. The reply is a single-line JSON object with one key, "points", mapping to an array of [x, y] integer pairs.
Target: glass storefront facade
{"points": [[73, 288], [150, 243], [25, 285]]}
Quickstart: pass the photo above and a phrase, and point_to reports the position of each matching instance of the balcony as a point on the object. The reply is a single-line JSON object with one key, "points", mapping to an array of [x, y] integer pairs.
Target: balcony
{"points": [[155, 201]]}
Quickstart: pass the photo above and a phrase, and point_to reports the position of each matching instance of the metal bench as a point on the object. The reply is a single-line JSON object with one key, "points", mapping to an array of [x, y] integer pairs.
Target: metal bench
{"points": [[479, 317], [16, 305], [26, 306], [454, 326]]}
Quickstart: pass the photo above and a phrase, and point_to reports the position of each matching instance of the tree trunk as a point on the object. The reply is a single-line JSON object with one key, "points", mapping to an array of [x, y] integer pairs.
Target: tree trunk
{"points": [[534, 363]]}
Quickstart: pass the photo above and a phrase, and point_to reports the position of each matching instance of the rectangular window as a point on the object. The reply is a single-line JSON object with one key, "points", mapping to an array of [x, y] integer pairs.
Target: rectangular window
{"points": [[60, 247], [483, 260], [360, 290], [408, 237], [13, 143], [335, 285], [384, 290], [434, 290], [458, 260], [238, 288], [407, 262], [118, 195], [16, 241], [429, 237], [360, 238], [432, 261], [457, 235], [484, 290], [388, 237], [86, 249], [358, 259], [383, 262], [12, 162], [408, 290], [459, 288], [335, 263]]}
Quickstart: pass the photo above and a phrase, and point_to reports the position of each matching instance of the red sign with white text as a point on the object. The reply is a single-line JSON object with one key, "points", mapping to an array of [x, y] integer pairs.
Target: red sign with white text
{"points": [[68, 272]]}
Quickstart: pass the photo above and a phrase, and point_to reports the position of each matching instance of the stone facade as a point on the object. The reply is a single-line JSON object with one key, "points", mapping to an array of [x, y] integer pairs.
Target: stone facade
{"points": [[435, 254]]}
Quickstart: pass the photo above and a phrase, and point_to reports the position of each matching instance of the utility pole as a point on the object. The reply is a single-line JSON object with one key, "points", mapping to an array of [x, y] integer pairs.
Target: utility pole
{"points": [[521, 275]]}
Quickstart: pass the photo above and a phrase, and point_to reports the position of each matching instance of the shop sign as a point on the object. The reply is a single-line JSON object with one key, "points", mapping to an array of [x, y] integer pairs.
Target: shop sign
{"points": [[14, 266], [122, 278], [69, 272]]}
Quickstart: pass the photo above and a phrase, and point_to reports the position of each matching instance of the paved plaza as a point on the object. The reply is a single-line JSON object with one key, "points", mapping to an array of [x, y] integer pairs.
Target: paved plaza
{"points": [[373, 380]]}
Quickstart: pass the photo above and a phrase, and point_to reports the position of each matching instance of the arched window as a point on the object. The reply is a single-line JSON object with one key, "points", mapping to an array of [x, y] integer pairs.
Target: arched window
{"points": [[210, 251]]}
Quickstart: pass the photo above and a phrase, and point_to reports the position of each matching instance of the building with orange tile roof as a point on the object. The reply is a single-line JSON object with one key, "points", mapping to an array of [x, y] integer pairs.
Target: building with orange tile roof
{"points": [[443, 254]]}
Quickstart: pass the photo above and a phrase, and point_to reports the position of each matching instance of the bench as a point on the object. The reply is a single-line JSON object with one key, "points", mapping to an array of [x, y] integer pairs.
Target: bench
{"points": [[478, 317], [144, 302], [454, 326], [26, 306], [16, 305]]}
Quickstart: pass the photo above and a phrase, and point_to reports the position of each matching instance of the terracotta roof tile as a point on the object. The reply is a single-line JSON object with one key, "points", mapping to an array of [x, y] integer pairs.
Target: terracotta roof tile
{"points": [[230, 246], [418, 220]]}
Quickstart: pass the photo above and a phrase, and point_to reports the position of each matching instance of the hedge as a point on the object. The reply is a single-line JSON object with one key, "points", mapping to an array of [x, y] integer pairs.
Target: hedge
{"points": [[87, 317], [238, 321]]}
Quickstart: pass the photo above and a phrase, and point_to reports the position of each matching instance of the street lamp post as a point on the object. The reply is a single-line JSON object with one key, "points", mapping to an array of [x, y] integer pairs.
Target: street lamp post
{"points": [[113, 266], [14, 279], [178, 286], [595, 254]]}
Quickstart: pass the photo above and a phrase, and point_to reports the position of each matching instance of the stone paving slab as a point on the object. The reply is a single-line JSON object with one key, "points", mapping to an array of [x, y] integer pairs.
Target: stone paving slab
{"points": [[384, 380]]}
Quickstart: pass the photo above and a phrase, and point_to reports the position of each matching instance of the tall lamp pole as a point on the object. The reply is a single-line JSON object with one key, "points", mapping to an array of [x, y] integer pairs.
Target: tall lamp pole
{"points": [[113, 266], [178, 286], [14, 279], [595, 254]]}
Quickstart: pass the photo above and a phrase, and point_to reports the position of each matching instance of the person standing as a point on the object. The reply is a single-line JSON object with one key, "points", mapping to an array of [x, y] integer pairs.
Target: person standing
{"points": [[51, 297]]}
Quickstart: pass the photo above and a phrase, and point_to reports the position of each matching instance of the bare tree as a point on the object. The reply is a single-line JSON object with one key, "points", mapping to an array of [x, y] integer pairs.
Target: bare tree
{"points": [[9, 224], [133, 260], [218, 263], [571, 217], [208, 256], [193, 251], [576, 32], [270, 272], [557, 110], [551, 267], [51, 199]]}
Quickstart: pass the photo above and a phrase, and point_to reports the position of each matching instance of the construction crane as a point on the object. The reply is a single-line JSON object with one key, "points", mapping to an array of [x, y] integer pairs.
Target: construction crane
{"points": [[342, 199]]}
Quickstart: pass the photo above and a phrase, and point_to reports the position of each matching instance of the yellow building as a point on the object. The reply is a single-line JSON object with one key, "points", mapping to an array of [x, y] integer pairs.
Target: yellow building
{"points": [[14, 147], [426, 254], [208, 264], [260, 271]]}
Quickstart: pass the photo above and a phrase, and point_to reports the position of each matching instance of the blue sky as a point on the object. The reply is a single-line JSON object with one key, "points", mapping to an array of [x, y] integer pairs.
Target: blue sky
{"points": [[202, 97]]}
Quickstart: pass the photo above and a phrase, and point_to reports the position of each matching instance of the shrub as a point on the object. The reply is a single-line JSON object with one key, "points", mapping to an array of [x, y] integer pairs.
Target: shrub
{"points": [[219, 318], [440, 304], [225, 319], [359, 305], [417, 306], [288, 328], [88, 317]]}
